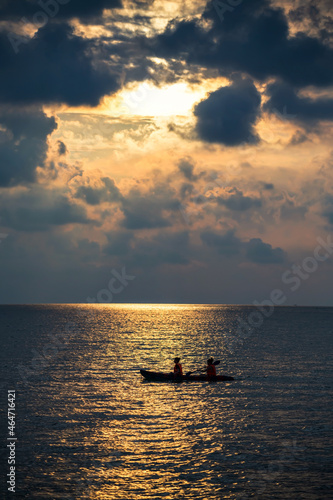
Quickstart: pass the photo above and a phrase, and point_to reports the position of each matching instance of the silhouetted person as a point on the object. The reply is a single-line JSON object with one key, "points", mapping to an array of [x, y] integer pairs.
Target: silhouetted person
{"points": [[211, 370], [178, 370]]}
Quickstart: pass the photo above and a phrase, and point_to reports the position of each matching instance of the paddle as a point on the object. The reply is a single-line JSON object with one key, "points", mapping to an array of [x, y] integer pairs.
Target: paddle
{"points": [[217, 362]]}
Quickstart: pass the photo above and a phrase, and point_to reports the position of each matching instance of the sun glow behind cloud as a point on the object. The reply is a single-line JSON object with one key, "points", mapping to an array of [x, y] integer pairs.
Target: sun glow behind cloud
{"points": [[148, 100]]}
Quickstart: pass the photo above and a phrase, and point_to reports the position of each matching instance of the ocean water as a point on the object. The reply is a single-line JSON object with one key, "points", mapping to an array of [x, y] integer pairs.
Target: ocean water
{"points": [[89, 427]]}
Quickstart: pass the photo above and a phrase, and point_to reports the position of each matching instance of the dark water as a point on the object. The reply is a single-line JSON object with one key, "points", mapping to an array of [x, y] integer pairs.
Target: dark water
{"points": [[88, 427]]}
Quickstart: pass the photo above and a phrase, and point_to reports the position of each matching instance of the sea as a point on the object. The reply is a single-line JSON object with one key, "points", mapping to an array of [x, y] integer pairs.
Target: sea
{"points": [[80, 422]]}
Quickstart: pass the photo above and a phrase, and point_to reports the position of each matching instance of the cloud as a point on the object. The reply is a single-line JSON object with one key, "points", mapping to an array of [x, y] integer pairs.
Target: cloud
{"points": [[328, 210], [267, 186], [39, 209], [255, 40], [316, 15], [23, 143], [226, 244], [263, 253], [186, 189], [186, 168], [166, 248], [119, 243], [254, 250], [229, 114], [284, 101], [62, 148], [149, 210], [177, 38], [238, 202], [108, 191], [55, 66], [291, 210], [298, 138], [62, 9]]}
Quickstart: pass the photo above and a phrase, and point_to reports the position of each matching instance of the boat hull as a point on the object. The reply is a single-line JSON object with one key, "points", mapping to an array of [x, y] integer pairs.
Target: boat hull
{"points": [[170, 377]]}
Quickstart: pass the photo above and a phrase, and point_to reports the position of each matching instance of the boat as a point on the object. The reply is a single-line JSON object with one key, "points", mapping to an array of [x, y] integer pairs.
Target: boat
{"points": [[170, 377]]}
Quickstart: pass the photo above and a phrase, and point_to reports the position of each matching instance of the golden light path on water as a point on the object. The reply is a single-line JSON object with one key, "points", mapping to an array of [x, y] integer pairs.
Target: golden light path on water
{"points": [[90, 427], [160, 430]]}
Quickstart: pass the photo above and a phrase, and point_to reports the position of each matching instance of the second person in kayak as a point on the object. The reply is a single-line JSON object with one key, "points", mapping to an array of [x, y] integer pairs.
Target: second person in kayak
{"points": [[178, 370], [211, 370]]}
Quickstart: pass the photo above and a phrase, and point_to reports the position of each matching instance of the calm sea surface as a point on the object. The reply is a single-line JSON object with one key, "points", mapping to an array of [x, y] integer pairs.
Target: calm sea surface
{"points": [[89, 427]]}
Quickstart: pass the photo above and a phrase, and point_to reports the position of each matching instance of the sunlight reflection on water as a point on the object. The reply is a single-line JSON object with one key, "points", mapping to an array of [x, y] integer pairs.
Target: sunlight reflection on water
{"points": [[91, 428]]}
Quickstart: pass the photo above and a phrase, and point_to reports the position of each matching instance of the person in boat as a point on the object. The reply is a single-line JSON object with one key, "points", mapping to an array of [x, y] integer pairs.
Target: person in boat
{"points": [[210, 369], [177, 370]]}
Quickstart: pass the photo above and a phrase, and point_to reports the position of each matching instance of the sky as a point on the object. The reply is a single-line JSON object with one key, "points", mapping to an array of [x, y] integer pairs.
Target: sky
{"points": [[166, 151]]}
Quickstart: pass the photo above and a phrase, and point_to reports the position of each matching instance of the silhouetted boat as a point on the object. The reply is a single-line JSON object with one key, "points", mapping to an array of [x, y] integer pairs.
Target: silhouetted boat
{"points": [[170, 377]]}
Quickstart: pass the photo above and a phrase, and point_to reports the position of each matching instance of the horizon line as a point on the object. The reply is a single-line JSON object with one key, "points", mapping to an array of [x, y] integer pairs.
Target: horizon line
{"points": [[154, 304]]}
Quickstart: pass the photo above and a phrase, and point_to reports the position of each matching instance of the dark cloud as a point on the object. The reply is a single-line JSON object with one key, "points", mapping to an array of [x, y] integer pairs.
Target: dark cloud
{"points": [[329, 215], [267, 186], [229, 114], [178, 38], [286, 103], [263, 253], [119, 243], [226, 244], [186, 168], [328, 208], [142, 215], [254, 250], [62, 9], [96, 195], [186, 189], [243, 11], [163, 249], [298, 138], [23, 143], [238, 202], [55, 66], [316, 15], [149, 210], [62, 149], [255, 39], [40, 209]]}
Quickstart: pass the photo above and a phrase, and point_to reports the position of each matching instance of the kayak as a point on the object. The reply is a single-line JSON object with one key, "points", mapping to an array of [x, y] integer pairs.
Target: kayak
{"points": [[170, 377]]}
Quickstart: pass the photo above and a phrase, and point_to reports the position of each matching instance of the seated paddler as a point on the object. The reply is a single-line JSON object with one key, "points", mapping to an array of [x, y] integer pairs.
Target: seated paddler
{"points": [[177, 370]]}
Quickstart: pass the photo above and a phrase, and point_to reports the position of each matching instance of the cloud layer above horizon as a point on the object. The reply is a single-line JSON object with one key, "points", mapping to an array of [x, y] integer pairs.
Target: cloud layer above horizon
{"points": [[190, 144]]}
